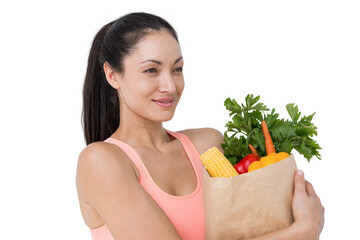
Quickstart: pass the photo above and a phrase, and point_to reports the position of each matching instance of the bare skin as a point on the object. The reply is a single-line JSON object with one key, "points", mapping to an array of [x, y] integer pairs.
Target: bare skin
{"points": [[107, 180]]}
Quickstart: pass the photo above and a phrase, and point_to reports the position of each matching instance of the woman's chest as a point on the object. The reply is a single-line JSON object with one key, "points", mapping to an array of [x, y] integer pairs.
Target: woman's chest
{"points": [[173, 173]]}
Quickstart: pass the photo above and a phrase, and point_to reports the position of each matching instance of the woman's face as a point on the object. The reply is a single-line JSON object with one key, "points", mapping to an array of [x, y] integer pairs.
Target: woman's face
{"points": [[153, 81]]}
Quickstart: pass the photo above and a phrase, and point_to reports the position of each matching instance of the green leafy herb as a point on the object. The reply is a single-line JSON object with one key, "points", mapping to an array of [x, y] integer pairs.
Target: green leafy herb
{"points": [[245, 129]]}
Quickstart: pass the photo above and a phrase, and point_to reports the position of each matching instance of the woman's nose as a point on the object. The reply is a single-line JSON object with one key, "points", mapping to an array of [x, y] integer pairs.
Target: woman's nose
{"points": [[167, 83]]}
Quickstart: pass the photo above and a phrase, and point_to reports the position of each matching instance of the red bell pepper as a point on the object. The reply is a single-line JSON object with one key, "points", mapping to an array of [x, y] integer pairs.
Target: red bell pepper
{"points": [[243, 165]]}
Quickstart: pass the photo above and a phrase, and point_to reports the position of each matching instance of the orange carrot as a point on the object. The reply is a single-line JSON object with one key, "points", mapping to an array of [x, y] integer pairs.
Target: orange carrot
{"points": [[269, 145], [254, 151]]}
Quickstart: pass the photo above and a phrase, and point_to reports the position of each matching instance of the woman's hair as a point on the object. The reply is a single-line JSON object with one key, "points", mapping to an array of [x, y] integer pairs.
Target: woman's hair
{"points": [[114, 41]]}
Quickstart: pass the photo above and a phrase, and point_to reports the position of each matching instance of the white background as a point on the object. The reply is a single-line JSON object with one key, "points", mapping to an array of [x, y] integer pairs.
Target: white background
{"points": [[306, 52]]}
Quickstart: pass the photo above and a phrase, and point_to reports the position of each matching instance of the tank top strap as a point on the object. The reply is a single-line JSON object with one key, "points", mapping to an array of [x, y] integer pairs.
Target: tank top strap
{"points": [[129, 151], [195, 156]]}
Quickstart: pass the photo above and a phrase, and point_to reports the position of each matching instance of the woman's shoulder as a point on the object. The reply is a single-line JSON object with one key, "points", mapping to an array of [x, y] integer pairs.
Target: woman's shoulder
{"points": [[98, 151], [204, 138], [103, 156]]}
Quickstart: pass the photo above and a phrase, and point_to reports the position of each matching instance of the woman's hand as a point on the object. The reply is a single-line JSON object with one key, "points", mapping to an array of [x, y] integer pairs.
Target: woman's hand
{"points": [[307, 209], [308, 214]]}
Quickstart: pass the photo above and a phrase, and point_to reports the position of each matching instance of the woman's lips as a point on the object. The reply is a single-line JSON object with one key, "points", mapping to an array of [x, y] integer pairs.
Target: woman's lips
{"points": [[165, 102]]}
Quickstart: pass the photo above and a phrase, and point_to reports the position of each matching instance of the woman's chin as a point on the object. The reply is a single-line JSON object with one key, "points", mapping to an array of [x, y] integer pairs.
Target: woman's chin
{"points": [[165, 117]]}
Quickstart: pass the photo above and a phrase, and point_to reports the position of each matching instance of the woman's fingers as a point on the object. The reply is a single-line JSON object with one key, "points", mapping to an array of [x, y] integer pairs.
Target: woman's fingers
{"points": [[299, 183], [303, 186], [307, 209], [309, 189]]}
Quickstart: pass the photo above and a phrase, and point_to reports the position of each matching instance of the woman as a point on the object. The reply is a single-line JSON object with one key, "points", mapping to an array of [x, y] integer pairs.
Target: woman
{"points": [[135, 179]]}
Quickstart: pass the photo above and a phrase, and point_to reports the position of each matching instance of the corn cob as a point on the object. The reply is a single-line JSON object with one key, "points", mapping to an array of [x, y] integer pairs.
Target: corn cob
{"points": [[217, 164]]}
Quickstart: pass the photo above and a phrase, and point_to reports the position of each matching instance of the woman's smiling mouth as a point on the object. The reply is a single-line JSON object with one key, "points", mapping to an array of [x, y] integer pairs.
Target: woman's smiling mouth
{"points": [[165, 102]]}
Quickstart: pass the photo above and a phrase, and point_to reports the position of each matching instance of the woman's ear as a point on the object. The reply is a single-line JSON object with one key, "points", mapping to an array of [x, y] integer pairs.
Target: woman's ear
{"points": [[111, 76]]}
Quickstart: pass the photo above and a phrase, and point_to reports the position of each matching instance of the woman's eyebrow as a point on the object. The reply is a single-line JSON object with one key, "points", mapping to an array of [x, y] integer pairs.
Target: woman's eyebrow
{"points": [[151, 60], [177, 60], [159, 62]]}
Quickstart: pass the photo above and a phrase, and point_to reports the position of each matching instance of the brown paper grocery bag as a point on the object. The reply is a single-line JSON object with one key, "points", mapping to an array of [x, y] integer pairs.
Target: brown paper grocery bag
{"points": [[250, 204]]}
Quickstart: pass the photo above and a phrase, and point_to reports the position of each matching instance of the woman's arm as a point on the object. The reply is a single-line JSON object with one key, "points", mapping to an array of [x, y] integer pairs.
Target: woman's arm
{"points": [[107, 181]]}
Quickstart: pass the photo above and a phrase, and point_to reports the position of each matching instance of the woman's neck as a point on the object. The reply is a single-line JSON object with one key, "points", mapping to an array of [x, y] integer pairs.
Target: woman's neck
{"points": [[142, 134]]}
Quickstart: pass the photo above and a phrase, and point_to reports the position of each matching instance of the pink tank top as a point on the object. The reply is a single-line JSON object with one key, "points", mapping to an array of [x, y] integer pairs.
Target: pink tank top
{"points": [[185, 212]]}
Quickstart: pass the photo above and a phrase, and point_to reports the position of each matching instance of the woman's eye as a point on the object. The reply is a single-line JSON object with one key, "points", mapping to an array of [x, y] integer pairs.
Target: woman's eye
{"points": [[178, 69], [151, 70]]}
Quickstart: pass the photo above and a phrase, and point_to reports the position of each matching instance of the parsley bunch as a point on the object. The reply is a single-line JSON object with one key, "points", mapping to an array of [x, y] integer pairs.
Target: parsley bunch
{"points": [[287, 135]]}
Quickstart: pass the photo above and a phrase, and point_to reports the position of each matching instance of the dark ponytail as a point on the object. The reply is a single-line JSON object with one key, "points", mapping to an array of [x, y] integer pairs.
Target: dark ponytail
{"points": [[114, 41]]}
